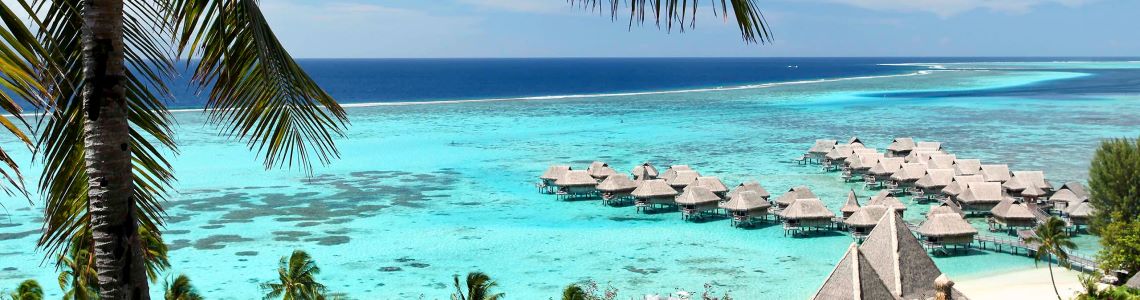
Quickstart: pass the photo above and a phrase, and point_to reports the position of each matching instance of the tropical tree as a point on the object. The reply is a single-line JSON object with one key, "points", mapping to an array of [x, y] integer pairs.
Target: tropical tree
{"points": [[77, 280], [99, 72], [28, 290], [574, 292], [296, 279], [1052, 242], [479, 287], [1113, 178], [181, 289]]}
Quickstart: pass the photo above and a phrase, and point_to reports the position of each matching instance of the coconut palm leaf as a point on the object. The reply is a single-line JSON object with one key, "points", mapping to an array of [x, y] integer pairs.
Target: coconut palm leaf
{"points": [[1052, 241], [257, 91], [479, 287], [296, 279], [28, 290], [753, 27], [181, 289], [20, 54]]}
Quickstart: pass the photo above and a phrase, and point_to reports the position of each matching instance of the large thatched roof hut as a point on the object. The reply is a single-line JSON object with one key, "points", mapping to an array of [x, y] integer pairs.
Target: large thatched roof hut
{"points": [[941, 161], [864, 219], [884, 198], [946, 207], [746, 206], [851, 206], [863, 161], [712, 183], [886, 166], [576, 183], [853, 279], [980, 196], [600, 170], [654, 192], [548, 177], [967, 166], [935, 179], [1077, 188], [842, 152], [799, 192], [909, 172], [1022, 180], [947, 229], [900, 260], [672, 171], [1080, 212], [996, 173], [616, 188], [806, 213], [1014, 213], [644, 171], [695, 200], [683, 179], [922, 155], [958, 184], [753, 186], [821, 147], [900, 147]]}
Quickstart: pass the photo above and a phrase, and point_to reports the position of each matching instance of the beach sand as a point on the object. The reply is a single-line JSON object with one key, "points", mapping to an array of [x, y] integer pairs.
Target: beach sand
{"points": [[1021, 284]]}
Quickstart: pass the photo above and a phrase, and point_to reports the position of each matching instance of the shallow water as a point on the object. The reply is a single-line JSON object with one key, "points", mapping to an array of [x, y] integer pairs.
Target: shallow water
{"points": [[423, 192]]}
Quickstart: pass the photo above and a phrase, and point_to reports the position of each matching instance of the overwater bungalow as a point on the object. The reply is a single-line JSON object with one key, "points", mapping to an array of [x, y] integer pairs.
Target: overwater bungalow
{"points": [[946, 207], [841, 152], [853, 279], [746, 207], [921, 155], [616, 189], [909, 173], [552, 173], [683, 179], [884, 198], [886, 166], [958, 184], [864, 219], [851, 206], [1032, 193], [928, 145], [967, 167], [672, 171], [901, 262], [576, 184], [1063, 198], [996, 173], [861, 162], [1021, 180], [1012, 213], [806, 215], [980, 196], [821, 148], [900, 147], [601, 171], [644, 171], [934, 180], [793, 194], [652, 193], [1077, 188], [941, 161], [753, 186], [695, 201], [713, 184], [855, 140], [1079, 213], [946, 230]]}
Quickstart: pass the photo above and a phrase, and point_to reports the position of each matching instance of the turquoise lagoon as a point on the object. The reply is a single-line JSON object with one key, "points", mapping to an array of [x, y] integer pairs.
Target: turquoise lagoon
{"points": [[423, 192]]}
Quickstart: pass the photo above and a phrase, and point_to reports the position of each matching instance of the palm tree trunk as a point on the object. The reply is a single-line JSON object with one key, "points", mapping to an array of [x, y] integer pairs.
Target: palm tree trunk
{"points": [[1050, 262], [118, 256]]}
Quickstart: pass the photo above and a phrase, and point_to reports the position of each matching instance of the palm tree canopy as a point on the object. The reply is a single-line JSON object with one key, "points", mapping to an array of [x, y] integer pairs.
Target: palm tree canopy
{"points": [[574, 292], [28, 290], [296, 279], [1052, 240], [753, 27], [181, 289], [479, 287]]}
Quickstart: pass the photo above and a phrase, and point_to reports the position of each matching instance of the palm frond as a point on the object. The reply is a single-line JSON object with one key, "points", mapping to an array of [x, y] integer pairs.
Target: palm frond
{"points": [[20, 58], [257, 91], [747, 16]]}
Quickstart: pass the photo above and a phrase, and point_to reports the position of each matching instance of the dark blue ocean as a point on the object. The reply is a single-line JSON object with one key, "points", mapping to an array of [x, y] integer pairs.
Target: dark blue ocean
{"points": [[403, 80]]}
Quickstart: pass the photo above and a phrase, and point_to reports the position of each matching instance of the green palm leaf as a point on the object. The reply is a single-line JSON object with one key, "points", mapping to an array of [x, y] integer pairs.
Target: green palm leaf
{"points": [[747, 16]]}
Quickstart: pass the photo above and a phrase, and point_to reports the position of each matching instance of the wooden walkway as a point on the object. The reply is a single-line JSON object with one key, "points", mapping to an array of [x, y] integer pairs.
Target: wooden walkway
{"points": [[1016, 246]]}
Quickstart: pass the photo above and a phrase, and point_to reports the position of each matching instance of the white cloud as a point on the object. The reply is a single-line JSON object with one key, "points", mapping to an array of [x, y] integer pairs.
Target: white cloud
{"points": [[525, 6], [948, 8]]}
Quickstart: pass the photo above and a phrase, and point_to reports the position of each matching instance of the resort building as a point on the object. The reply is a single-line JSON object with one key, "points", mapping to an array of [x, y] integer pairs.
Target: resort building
{"points": [[575, 184], [884, 198], [958, 184], [695, 201], [886, 166], [908, 173], [946, 207], [934, 180], [821, 148], [793, 194], [1012, 213], [713, 184], [941, 161], [753, 186], [862, 161], [853, 279], [967, 167], [682, 179], [600, 170], [841, 152], [806, 215], [900, 147], [552, 173], [980, 196], [746, 207], [653, 193], [851, 206], [996, 173], [616, 189], [945, 229], [672, 171], [1079, 213], [900, 260], [1023, 180], [644, 171], [864, 219]]}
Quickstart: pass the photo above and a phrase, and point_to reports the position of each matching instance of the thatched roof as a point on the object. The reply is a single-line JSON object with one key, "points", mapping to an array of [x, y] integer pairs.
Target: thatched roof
{"points": [[884, 198], [653, 188], [712, 183], [1010, 208], [942, 225], [840, 152], [1024, 179], [822, 146], [865, 160], [576, 178], [941, 161], [644, 171], [981, 192], [1066, 195], [958, 184], [1082, 209], [810, 208], [1032, 191], [854, 140], [602, 172], [799, 192], [1077, 188], [922, 156], [887, 166], [694, 195], [853, 279], [852, 204], [946, 207], [928, 145], [967, 166], [753, 186], [672, 171], [554, 172], [900, 260], [910, 172], [901, 144], [683, 178], [746, 200], [935, 178], [996, 173], [617, 184], [867, 216], [597, 164], [1134, 282]]}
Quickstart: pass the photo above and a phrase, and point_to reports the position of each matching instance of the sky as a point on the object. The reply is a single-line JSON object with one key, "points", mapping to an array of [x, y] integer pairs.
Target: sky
{"points": [[553, 28]]}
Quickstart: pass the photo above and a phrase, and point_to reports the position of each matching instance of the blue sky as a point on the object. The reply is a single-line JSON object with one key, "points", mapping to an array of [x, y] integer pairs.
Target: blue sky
{"points": [[552, 28]]}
